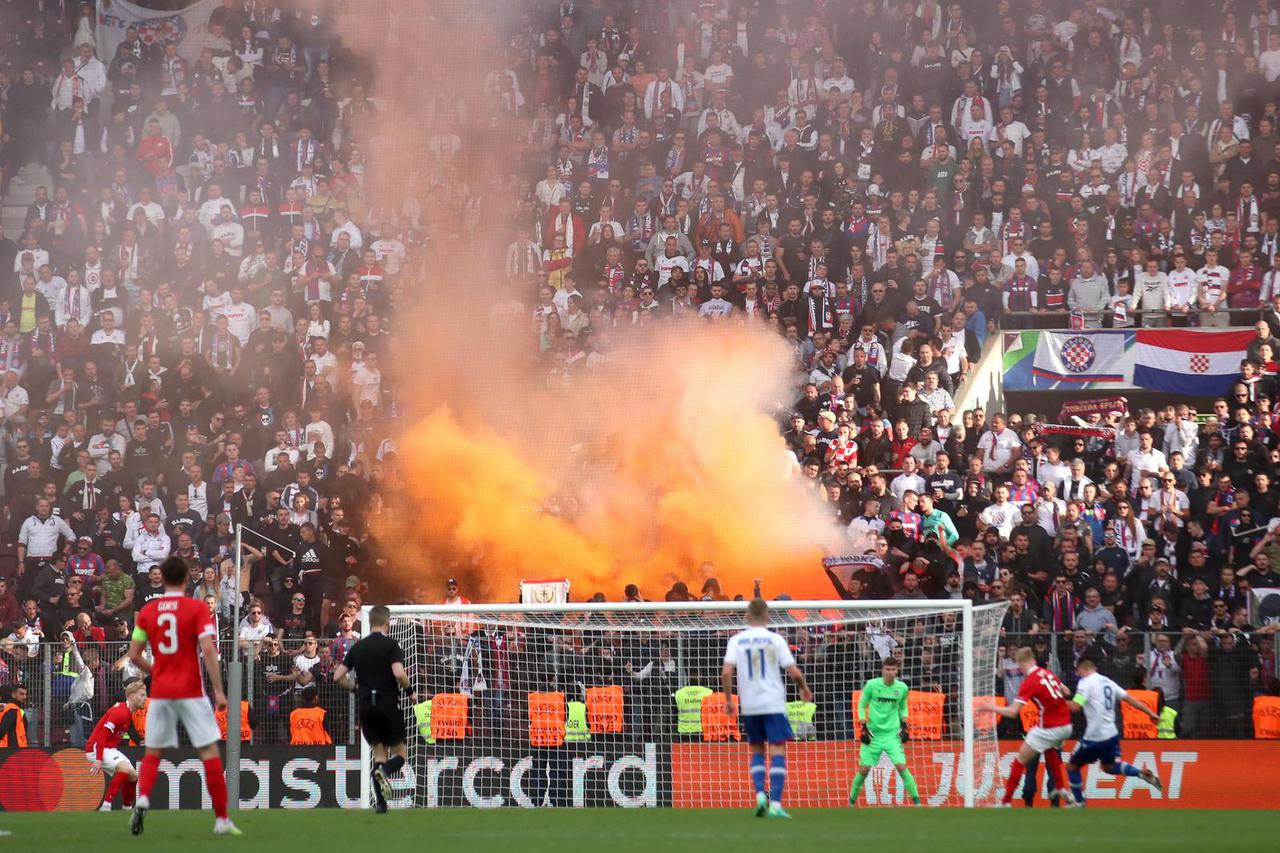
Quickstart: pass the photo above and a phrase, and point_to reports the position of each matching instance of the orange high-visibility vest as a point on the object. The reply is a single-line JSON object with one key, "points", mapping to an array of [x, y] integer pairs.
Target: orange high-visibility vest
{"points": [[246, 731], [924, 714], [605, 709], [20, 729], [546, 719], [306, 726], [1029, 714], [985, 720], [449, 716], [140, 720], [716, 724], [1266, 717], [1137, 725]]}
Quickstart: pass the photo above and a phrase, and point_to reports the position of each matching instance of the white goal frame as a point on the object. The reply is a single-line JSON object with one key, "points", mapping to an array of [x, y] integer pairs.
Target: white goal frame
{"points": [[962, 607]]}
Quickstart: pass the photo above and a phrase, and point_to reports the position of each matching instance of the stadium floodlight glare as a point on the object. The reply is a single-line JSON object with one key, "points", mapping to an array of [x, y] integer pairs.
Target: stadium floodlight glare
{"points": [[603, 704]]}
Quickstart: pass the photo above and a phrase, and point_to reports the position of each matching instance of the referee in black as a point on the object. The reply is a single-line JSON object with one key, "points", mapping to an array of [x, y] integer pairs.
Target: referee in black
{"points": [[377, 664]]}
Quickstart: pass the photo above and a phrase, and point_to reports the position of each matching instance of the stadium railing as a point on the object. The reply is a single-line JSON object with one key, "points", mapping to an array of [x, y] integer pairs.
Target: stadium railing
{"points": [[53, 721], [1216, 700], [1094, 320]]}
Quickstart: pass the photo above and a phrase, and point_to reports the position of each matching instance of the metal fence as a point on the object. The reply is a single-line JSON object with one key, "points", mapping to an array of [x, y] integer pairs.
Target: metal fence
{"points": [[1210, 684], [1063, 320], [272, 688]]}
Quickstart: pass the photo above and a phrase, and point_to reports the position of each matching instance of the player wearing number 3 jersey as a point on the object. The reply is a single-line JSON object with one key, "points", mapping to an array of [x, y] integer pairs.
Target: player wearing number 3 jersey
{"points": [[759, 656], [1042, 688], [180, 631]]}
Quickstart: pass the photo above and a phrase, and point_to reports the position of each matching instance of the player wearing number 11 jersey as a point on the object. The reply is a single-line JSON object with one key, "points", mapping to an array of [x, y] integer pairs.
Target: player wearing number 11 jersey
{"points": [[180, 631], [759, 656], [1043, 689]]}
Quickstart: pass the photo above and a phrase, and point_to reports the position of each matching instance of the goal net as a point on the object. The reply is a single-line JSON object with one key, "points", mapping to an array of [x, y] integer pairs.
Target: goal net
{"points": [[619, 704]]}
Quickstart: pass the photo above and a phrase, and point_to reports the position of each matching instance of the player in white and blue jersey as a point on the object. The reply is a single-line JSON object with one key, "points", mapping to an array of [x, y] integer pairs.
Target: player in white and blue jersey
{"points": [[1099, 696], [759, 657]]}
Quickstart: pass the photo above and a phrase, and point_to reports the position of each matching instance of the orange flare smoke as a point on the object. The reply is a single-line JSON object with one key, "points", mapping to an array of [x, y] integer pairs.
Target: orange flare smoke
{"points": [[658, 461]]}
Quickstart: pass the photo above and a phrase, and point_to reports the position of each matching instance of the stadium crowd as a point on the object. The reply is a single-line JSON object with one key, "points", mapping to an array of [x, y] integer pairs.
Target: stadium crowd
{"points": [[197, 312]]}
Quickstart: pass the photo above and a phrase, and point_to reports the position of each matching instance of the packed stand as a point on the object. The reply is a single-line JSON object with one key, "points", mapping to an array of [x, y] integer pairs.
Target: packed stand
{"points": [[888, 184], [201, 300], [195, 323]]}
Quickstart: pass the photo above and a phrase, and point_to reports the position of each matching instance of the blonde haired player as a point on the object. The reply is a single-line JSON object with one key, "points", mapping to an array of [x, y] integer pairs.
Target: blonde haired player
{"points": [[101, 748], [1043, 688], [758, 657]]}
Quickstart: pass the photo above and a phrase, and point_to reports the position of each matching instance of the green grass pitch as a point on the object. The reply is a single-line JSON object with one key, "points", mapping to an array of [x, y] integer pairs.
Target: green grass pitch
{"points": [[619, 831]]}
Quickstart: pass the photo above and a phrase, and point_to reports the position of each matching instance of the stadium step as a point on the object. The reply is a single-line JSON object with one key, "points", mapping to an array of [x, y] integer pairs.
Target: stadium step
{"points": [[13, 210]]}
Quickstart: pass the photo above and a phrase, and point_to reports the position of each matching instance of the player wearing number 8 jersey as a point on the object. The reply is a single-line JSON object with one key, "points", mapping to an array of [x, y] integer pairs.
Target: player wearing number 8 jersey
{"points": [[1042, 688], [180, 631], [758, 657], [1098, 696]]}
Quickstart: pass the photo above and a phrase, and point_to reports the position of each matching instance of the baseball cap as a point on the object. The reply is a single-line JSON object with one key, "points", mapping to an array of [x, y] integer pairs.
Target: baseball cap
{"points": [[85, 540], [352, 582]]}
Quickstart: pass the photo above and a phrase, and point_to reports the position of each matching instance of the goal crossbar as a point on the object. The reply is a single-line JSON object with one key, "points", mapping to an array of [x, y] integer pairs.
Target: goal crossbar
{"points": [[783, 614]]}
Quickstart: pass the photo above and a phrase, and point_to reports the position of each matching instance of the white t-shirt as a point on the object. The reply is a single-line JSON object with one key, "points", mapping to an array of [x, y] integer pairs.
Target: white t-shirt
{"points": [[1005, 443], [665, 265], [390, 253], [1144, 465], [760, 657], [1100, 695], [1001, 517]]}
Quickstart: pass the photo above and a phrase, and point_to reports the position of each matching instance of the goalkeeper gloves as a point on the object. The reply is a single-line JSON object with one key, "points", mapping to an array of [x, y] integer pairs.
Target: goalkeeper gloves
{"points": [[904, 734], [865, 737]]}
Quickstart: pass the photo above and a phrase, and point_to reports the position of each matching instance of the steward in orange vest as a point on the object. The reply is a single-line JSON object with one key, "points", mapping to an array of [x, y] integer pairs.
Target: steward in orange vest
{"points": [[306, 724], [13, 722]]}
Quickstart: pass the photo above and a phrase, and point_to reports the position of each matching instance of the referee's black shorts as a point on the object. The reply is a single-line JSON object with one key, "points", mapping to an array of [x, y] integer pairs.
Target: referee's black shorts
{"points": [[382, 722]]}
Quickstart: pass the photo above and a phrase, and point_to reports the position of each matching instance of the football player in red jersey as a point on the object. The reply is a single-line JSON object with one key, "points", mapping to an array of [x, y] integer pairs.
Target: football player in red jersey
{"points": [[101, 748], [180, 631], [1043, 688]]}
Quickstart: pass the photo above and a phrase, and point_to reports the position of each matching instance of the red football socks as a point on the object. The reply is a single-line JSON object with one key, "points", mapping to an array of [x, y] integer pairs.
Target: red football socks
{"points": [[1053, 767], [113, 787], [130, 793], [216, 785], [147, 773], [1015, 778]]}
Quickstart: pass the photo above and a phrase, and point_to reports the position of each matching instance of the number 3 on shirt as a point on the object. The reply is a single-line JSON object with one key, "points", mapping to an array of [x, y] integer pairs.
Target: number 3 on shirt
{"points": [[168, 624]]}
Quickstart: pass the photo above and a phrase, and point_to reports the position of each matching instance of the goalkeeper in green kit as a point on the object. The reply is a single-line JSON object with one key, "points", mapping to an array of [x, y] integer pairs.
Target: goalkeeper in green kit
{"points": [[882, 710]]}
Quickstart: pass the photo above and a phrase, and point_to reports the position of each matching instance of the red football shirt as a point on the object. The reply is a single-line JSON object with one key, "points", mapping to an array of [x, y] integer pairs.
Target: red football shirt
{"points": [[106, 734], [174, 624], [1044, 689]]}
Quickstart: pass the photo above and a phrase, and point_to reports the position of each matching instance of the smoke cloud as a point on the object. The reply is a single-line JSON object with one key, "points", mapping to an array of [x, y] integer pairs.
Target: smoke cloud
{"points": [[658, 463]]}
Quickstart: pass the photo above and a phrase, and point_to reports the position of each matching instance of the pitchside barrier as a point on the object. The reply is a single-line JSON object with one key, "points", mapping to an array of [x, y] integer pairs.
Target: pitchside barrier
{"points": [[634, 715], [1201, 774], [1239, 698]]}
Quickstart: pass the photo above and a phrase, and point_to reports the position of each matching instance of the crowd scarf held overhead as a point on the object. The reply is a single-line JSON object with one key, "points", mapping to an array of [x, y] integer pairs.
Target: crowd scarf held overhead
{"points": [[1099, 406], [1108, 433]]}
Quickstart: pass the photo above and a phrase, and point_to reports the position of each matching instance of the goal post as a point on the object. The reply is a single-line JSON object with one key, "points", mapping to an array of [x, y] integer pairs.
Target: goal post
{"points": [[618, 704]]}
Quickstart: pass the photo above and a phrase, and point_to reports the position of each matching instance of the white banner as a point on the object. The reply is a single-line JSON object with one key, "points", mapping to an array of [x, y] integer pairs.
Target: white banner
{"points": [[1268, 604], [544, 592], [187, 26]]}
